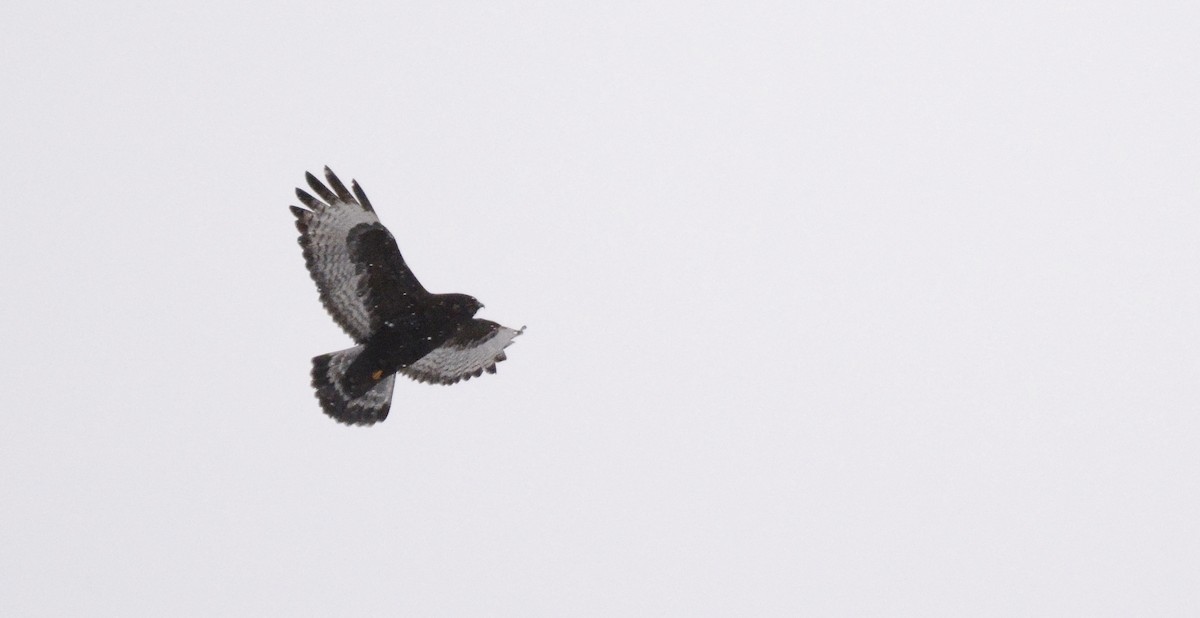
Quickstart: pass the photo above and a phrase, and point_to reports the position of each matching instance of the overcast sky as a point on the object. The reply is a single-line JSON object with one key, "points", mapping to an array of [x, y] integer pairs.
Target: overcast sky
{"points": [[835, 308]]}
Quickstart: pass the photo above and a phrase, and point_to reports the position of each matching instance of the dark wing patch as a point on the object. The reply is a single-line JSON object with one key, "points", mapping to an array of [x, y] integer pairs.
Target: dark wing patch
{"points": [[389, 288], [474, 349], [325, 230]]}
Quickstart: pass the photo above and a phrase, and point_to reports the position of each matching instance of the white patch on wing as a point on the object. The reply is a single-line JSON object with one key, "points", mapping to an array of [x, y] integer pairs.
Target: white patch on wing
{"points": [[452, 362], [327, 232]]}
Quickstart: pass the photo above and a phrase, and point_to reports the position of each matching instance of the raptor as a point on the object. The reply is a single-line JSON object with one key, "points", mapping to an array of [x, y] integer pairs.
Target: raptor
{"points": [[398, 326]]}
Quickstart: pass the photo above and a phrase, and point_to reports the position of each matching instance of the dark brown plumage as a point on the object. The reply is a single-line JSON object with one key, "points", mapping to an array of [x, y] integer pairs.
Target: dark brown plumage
{"points": [[399, 326]]}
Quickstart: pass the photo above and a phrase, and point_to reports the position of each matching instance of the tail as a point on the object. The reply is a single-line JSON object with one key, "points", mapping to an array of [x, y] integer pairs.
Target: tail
{"points": [[328, 378]]}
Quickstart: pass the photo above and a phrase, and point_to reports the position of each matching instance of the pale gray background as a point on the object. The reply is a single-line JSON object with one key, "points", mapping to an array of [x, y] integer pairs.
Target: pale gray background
{"points": [[834, 309]]}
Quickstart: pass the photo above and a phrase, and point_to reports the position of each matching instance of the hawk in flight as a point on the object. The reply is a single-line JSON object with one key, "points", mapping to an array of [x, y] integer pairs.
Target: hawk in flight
{"points": [[398, 325]]}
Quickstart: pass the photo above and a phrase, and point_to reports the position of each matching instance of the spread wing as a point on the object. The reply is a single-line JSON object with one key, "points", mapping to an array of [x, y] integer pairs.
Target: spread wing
{"points": [[475, 348], [360, 274]]}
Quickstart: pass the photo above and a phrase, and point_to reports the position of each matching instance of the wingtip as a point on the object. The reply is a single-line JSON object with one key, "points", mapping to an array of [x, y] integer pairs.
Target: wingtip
{"points": [[320, 189], [331, 178], [303, 217], [309, 200], [335, 183], [361, 195]]}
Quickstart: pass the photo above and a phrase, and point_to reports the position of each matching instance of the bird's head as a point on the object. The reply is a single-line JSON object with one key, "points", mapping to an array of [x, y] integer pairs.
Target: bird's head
{"points": [[463, 304]]}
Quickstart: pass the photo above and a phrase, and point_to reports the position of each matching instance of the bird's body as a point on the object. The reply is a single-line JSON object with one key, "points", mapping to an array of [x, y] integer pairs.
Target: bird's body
{"points": [[398, 325]]}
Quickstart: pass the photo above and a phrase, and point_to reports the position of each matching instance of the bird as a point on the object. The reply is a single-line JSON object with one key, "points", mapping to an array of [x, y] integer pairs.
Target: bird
{"points": [[398, 326]]}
